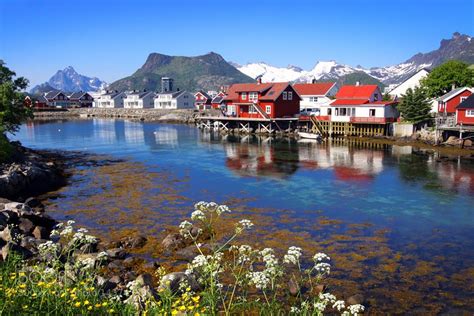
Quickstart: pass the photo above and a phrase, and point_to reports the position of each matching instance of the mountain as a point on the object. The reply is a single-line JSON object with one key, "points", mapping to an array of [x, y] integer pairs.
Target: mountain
{"points": [[41, 89], [460, 47], [209, 72], [69, 80]]}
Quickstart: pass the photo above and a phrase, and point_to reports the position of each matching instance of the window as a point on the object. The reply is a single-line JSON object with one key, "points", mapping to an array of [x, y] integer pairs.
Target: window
{"points": [[252, 109], [470, 113], [462, 99], [185, 103], [353, 112], [268, 109], [290, 95], [231, 109], [244, 95], [376, 97], [371, 112], [313, 99], [253, 96], [185, 96], [285, 95]]}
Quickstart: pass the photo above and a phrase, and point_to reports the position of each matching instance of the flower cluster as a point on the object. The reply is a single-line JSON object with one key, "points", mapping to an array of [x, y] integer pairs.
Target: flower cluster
{"points": [[293, 255]]}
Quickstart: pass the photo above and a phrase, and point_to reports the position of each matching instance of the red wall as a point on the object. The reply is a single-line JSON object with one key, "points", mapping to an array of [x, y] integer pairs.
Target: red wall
{"points": [[454, 102], [286, 108], [461, 117]]}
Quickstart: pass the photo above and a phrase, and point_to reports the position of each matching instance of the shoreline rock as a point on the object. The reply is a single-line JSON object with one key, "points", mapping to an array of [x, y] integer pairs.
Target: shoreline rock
{"points": [[30, 173]]}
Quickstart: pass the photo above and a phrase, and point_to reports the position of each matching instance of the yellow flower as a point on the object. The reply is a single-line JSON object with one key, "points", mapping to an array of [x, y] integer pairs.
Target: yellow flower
{"points": [[182, 308], [25, 306], [97, 305], [111, 310], [23, 286], [63, 294], [104, 304], [86, 302], [197, 314], [22, 274], [77, 304], [174, 312], [12, 277], [196, 299], [89, 308]]}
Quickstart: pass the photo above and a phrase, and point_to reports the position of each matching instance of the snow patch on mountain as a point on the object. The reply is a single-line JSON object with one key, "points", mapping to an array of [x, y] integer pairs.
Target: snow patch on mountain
{"points": [[70, 81]]}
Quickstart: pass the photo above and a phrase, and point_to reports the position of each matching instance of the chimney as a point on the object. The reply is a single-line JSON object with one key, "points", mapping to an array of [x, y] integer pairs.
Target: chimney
{"points": [[357, 83], [259, 80], [313, 80], [453, 86]]}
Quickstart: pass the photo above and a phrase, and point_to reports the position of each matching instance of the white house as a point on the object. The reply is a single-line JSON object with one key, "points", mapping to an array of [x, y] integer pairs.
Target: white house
{"points": [[110, 99], [412, 82], [174, 100], [139, 100], [315, 95], [360, 104]]}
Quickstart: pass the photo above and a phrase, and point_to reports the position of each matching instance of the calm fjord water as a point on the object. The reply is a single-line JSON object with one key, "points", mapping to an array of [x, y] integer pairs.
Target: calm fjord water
{"points": [[422, 205]]}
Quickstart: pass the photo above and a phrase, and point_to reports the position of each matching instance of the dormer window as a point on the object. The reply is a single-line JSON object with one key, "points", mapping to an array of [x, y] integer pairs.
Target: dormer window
{"points": [[376, 97], [244, 95]]}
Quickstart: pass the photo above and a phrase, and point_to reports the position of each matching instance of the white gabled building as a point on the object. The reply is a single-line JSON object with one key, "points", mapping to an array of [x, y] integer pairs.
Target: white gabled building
{"points": [[360, 104], [315, 95], [412, 82], [174, 100], [110, 100], [139, 100]]}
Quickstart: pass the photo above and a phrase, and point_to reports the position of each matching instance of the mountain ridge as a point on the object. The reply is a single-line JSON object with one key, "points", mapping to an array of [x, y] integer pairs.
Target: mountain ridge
{"points": [[69, 80], [460, 47]]}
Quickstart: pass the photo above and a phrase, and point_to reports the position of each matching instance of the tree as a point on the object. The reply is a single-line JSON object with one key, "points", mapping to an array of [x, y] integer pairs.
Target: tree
{"points": [[12, 108], [443, 77], [414, 105]]}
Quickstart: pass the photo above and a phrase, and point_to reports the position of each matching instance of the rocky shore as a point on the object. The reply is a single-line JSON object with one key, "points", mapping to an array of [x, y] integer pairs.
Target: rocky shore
{"points": [[29, 173], [172, 116]]}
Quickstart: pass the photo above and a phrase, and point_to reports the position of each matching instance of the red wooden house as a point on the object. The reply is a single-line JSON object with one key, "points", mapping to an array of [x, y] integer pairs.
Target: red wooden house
{"points": [[218, 101], [202, 100], [447, 103], [36, 102], [262, 100], [465, 111]]}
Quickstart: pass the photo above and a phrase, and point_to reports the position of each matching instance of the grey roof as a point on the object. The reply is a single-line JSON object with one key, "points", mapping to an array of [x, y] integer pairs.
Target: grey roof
{"points": [[467, 104], [41, 98], [112, 94], [217, 99], [52, 94], [140, 94], [77, 95], [451, 94], [204, 94]]}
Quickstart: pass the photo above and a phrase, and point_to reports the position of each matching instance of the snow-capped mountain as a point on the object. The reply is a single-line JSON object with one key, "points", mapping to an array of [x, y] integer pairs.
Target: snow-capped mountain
{"points": [[69, 80], [459, 47]]}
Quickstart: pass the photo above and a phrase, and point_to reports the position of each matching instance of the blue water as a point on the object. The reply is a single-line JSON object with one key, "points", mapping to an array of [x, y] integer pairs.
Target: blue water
{"points": [[410, 192]]}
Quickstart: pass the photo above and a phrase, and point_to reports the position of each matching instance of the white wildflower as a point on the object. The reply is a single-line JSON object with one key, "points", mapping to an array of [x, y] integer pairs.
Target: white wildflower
{"points": [[54, 233], [295, 310], [321, 257], [327, 297], [198, 215], [320, 306], [293, 255], [222, 209], [323, 267], [59, 225], [259, 279], [356, 309], [102, 255], [82, 230], [70, 222], [339, 305], [66, 231]]}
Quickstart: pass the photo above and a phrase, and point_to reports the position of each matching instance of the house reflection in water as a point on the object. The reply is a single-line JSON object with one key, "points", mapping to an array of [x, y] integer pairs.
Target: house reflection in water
{"points": [[252, 157], [348, 162]]}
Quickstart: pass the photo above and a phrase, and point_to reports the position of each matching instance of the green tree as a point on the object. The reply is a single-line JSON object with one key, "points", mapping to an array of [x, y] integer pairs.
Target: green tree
{"points": [[12, 108], [443, 77], [414, 105]]}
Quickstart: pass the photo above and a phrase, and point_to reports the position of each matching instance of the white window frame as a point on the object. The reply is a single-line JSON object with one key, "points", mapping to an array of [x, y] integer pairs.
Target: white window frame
{"points": [[243, 95], [252, 109], [313, 99], [462, 99], [253, 96], [285, 95], [469, 113], [290, 95], [268, 109]]}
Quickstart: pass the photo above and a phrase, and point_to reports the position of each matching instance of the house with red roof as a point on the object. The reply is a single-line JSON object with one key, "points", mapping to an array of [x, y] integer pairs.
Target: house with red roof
{"points": [[202, 100], [361, 104], [315, 95], [447, 103], [262, 100], [218, 101]]}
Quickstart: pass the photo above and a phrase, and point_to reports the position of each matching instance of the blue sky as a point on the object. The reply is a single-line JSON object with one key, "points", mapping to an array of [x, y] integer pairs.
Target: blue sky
{"points": [[111, 39]]}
